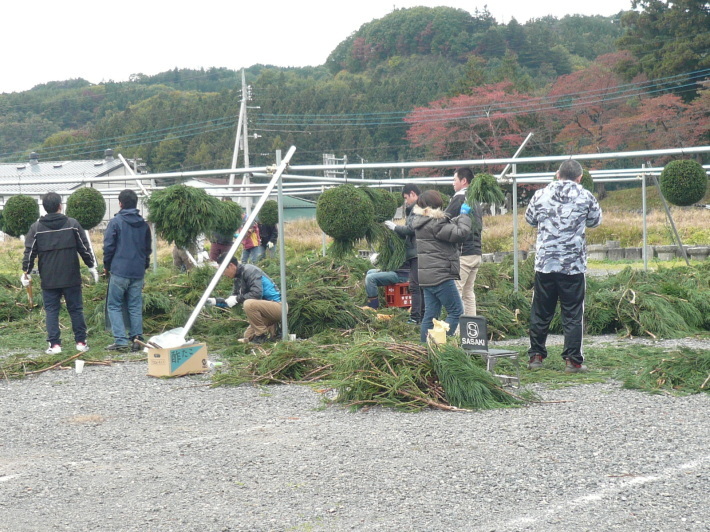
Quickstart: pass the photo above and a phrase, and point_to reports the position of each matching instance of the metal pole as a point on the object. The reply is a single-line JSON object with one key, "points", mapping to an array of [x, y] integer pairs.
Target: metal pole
{"points": [[282, 255], [643, 209], [670, 219], [237, 242], [515, 230], [245, 179], [515, 210], [235, 153], [323, 244]]}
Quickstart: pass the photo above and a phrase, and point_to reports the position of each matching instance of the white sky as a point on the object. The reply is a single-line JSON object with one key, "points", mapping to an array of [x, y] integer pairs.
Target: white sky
{"points": [[51, 40]]}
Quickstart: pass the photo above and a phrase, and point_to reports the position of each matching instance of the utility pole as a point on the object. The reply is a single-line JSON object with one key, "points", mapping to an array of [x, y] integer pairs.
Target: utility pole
{"points": [[246, 96]]}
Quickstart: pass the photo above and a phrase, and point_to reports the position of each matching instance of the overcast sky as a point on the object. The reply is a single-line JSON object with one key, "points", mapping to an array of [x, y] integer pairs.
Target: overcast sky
{"points": [[99, 41]]}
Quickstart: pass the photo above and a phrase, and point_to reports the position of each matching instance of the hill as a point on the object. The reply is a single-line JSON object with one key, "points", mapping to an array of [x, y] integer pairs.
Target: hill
{"points": [[369, 99]]}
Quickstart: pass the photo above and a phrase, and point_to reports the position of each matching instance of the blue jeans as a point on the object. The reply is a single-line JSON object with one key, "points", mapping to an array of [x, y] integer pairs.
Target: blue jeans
{"points": [[447, 295], [129, 292], [75, 306], [251, 255], [375, 278]]}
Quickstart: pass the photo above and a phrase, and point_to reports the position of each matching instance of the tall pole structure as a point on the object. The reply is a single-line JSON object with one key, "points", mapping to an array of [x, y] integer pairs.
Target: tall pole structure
{"points": [[237, 138], [515, 210], [245, 136]]}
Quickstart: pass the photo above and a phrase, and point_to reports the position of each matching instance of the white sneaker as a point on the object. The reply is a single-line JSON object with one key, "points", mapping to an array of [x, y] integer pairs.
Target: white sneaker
{"points": [[54, 349], [82, 347]]}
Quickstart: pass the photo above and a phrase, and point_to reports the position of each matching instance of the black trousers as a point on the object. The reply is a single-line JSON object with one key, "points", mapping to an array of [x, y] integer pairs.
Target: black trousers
{"points": [[417, 312], [75, 306], [569, 291]]}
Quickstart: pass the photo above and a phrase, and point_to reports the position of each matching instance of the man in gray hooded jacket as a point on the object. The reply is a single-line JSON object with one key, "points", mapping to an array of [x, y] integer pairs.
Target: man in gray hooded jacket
{"points": [[561, 212]]}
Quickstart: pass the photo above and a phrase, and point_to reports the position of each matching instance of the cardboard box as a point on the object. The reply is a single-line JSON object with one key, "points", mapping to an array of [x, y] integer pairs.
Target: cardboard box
{"points": [[183, 360]]}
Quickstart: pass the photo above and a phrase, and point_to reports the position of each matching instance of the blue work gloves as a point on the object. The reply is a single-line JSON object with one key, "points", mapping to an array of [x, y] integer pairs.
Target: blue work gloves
{"points": [[465, 208]]}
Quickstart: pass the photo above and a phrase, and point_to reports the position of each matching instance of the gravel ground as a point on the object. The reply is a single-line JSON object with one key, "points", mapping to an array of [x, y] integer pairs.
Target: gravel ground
{"points": [[113, 449]]}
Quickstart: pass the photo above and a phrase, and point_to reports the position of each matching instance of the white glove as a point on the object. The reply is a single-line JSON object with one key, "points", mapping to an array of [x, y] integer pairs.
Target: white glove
{"points": [[211, 301], [390, 224], [202, 256], [269, 245], [25, 279], [373, 258], [231, 301], [95, 274]]}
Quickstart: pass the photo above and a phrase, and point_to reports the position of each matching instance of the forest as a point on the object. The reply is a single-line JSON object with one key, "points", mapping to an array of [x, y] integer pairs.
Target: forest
{"points": [[417, 84]]}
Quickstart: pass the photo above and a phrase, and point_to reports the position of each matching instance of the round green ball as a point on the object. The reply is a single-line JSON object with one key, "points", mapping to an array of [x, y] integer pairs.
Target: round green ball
{"points": [[229, 218], [384, 203], [181, 213], [587, 181], [684, 182], [87, 206], [344, 212], [19, 215], [269, 213]]}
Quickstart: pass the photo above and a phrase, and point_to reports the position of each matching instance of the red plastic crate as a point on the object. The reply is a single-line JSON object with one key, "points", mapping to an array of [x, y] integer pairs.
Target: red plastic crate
{"points": [[397, 295]]}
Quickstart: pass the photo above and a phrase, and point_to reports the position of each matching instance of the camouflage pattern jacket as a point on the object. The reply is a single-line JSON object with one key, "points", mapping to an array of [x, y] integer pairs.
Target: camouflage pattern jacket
{"points": [[561, 212]]}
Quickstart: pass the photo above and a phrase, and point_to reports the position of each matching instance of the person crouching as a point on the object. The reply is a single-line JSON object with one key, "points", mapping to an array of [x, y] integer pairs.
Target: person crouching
{"points": [[258, 294]]}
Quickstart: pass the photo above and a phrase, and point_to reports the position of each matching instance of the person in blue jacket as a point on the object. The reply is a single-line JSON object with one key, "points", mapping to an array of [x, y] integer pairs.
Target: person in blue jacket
{"points": [[127, 249]]}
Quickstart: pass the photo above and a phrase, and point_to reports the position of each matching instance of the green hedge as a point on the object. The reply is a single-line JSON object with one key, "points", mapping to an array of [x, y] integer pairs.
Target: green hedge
{"points": [[19, 215], [684, 182], [344, 212], [87, 206]]}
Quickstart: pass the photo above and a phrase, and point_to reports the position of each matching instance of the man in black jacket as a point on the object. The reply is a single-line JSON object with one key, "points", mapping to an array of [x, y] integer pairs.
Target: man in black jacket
{"points": [[269, 235], [411, 194], [470, 249], [55, 240]]}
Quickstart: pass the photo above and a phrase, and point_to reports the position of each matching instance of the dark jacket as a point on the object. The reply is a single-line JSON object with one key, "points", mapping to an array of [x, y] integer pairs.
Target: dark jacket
{"points": [[219, 238], [472, 245], [407, 232], [127, 245], [269, 233], [56, 239], [252, 283], [437, 241]]}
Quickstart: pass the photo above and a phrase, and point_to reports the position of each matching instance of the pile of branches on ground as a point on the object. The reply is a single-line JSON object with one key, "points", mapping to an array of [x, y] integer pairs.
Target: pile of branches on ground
{"points": [[666, 303], [685, 370], [369, 371]]}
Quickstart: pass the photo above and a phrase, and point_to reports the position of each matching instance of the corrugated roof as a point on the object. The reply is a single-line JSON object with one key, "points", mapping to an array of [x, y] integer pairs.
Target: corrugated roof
{"points": [[34, 176]]}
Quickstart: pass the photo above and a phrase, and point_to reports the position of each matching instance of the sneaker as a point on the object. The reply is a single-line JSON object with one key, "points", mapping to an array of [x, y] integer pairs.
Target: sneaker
{"points": [[54, 349], [413, 321], [535, 362], [574, 367], [82, 347], [117, 347], [135, 346]]}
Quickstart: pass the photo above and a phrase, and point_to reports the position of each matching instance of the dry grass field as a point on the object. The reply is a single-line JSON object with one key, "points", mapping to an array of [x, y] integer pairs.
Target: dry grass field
{"points": [[618, 224]]}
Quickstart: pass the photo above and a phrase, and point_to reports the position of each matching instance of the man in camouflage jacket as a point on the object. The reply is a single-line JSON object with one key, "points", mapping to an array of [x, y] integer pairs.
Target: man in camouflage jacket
{"points": [[561, 212]]}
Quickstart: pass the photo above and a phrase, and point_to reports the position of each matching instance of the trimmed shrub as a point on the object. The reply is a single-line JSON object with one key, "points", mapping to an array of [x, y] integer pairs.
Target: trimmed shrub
{"points": [[269, 213], [87, 206], [384, 203], [684, 182], [344, 212], [20, 213], [587, 181], [181, 213], [485, 189], [229, 217]]}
